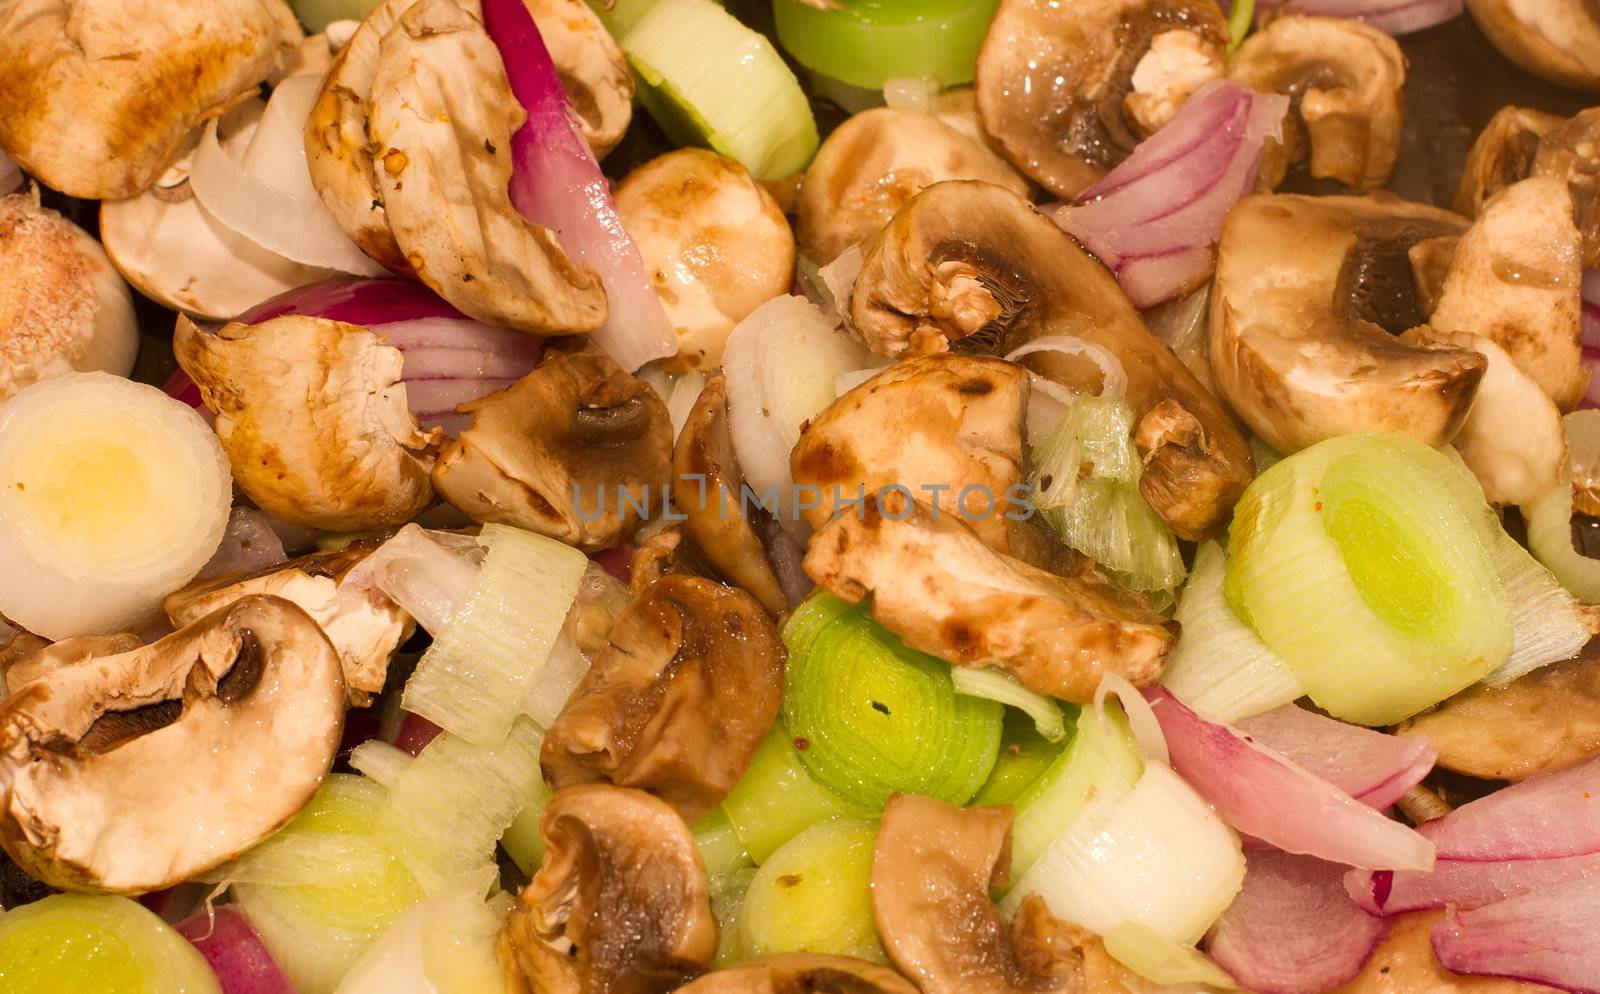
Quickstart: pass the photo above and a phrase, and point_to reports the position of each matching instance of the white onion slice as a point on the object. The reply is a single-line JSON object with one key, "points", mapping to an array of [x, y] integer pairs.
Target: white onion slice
{"points": [[273, 203], [1142, 721], [1113, 378], [112, 495], [426, 572]]}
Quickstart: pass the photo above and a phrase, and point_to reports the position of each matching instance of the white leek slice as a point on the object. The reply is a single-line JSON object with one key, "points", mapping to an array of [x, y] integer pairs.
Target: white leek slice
{"points": [[814, 895], [1157, 856], [782, 363], [96, 942], [112, 495], [290, 859], [444, 945], [428, 573], [474, 677], [1103, 761], [379, 761], [450, 806], [1220, 667], [1550, 516], [995, 685], [1157, 958]]}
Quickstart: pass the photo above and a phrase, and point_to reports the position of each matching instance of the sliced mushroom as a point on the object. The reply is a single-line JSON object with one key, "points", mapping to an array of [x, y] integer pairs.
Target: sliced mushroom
{"points": [[97, 95], [1308, 296], [178, 255], [707, 485], [713, 240], [1514, 281], [312, 415], [1430, 266], [962, 253], [935, 584], [573, 450], [873, 164], [363, 625], [1557, 39], [1571, 152], [135, 771], [801, 973], [677, 702], [1344, 82], [933, 869], [62, 305], [27, 657], [1053, 78], [620, 904], [440, 118], [1404, 963], [947, 426], [1502, 154], [592, 69]]}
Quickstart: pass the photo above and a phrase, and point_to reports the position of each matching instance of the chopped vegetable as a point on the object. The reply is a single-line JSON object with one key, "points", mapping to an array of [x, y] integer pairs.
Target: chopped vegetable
{"points": [[1025, 758], [777, 798], [1157, 958], [1002, 688], [867, 43], [235, 952], [316, 15], [812, 896], [109, 945], [443, 945]]}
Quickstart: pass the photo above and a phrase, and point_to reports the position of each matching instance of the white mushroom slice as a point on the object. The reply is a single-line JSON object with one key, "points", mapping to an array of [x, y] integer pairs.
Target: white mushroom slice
{"points": [[62, 305], [97, 95], [592, 68], [174, 252], [1503, 153], [441, 118], [146, 768], [313, 417], [27, 657], [1558, 39], [1514, 281], [1177, 64]]}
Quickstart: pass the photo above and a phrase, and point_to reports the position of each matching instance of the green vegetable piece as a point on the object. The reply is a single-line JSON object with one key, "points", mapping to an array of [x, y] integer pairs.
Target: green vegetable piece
{"points": [[814, 895], [316, 15], [776, 798], [1103, 760], [1241, 14], [1025, 759], [108, 945], [866, 42]]}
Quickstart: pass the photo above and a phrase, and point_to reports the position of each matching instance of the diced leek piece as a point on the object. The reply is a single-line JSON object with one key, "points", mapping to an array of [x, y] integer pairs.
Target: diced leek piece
{"points": [[866, 42], [814, 895], [445, 944], [1241, 14], [316, 931], [1156, 855], [316, 15], [522, 841], [1361, 567], [288, 859], [727, 897], [719, 845], [1220, 667], [1086, 487], [1157, 958], [472, 680], [878, 717], [776, 798], [379, 761], [1103, 762], [1025, 758], [1002, 688], [108, 945], [709, 80], [445, 813], [1550, 537]]}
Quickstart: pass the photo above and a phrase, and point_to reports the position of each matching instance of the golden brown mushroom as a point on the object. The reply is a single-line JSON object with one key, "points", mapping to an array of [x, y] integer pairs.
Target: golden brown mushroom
{"points": [[1404, 963], [1502, 154], [678, 700], [1557, 39], [965, 257], [619, 905], [802, 973], [934, 583], [573, 450], [151, 766], [27, 657]]}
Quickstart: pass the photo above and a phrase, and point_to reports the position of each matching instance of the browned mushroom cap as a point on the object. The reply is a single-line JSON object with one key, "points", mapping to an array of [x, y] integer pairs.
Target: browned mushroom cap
{"points": [[1308, 296], [962, 253], [363, 625], [1502, 154], [1558, 39], [933, 869], [619, 905], [948, 425], [573, 450], [440, 118], [802, 973], [707, 485], [313, 417], [678, 700], [1053, 77], [1344, 80], [1571, 152], [97, 95], [1514, 280], [873, 164], [936, 585], [1404, 963], [135, 771]]}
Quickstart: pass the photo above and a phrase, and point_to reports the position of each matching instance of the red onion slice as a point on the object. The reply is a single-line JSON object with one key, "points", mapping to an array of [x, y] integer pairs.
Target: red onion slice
{"points": [[557, 183], [414, 733], [1591, 336], [1264, 795], [236, 953], [1546, 817], [1154, 219], [356, 301], [618, 562], [1550, 937], [1292, 929], [1395, 17], [1372, 767], [1462, 884]]}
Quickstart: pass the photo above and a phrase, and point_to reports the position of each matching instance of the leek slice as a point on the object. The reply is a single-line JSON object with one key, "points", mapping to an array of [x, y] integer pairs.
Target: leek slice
{"points": [[472, 680], [1220, 667], [1025, 759], [709, 80], [316, 15], [1360, 566], [866, 42], [1002, 688], [444, 945], [1241, 15], [727, 899], [1549, 518], [776, 798], [379, 761], [1157, 958], [454, 801], [719, 845], [1156, 855], [878, 717], [522, 841], [108, 945], [814, 896], [1086, 487]]}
